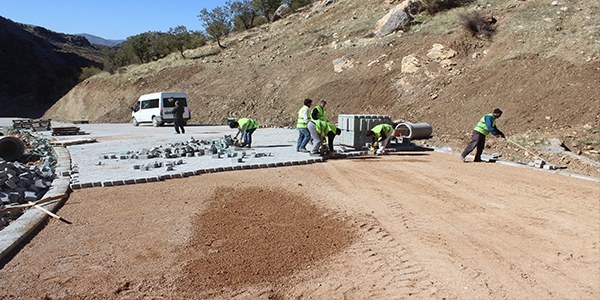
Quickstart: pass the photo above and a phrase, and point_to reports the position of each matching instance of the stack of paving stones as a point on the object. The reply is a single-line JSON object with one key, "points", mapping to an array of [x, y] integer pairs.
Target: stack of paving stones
{"points": [[20, 184]]}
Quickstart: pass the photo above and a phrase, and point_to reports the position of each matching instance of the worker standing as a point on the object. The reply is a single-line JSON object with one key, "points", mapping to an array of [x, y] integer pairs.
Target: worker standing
{"points": [[246, 127], [486, 125], [381, 135], [303, 133], [318, 112], [319, 130], [178, 121]]}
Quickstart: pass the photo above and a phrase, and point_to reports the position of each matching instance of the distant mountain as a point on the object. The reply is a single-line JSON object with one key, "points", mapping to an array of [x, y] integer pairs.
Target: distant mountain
{"points": [[38, 66], [96, 40]]}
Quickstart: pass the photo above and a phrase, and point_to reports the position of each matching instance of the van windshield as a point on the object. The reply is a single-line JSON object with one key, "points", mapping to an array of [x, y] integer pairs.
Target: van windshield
{"points": [[170, 102]]}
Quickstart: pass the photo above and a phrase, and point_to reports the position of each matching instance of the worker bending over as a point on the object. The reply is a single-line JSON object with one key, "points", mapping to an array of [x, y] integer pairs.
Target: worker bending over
{"points": [[381, 135], [246, 127], [486, 125], [319, 130]]}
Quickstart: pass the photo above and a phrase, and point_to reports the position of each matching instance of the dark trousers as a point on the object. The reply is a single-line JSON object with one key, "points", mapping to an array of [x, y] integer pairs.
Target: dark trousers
{"points": [[477, 140], [178, 124]]}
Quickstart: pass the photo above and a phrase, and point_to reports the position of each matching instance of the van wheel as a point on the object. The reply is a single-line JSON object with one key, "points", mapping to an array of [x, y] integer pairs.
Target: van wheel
{"points": [[155, 122], [134, 121]]}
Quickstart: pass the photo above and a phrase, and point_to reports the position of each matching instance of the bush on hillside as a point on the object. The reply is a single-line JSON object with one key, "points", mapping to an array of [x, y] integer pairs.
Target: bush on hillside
{"points": [[478, 24], [434, 6], [87, 73]]}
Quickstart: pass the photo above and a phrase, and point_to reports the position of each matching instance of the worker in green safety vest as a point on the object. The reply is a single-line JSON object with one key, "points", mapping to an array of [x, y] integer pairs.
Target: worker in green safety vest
{"points": [[381, 135], [302, 125], [485, 126], [319, 130], [318, 112], [246, 127]]}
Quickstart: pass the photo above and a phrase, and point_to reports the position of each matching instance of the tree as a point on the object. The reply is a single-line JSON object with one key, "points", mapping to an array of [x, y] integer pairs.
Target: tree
{"points": [[140, 47], [266, 7], [179, 38], [243, 13], [216, 22]]}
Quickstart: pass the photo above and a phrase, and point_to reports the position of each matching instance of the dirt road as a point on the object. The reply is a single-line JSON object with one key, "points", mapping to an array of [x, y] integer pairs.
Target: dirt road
{"points": [[404, 226]]}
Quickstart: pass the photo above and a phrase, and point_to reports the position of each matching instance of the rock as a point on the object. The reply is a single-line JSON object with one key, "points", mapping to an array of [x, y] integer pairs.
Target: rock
{"points": [[410, 64], [396, 19], [439, 53], [341, 64]]}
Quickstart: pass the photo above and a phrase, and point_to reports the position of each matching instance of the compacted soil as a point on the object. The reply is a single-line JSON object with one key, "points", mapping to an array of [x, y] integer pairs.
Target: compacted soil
{"points": [[402, 226]]}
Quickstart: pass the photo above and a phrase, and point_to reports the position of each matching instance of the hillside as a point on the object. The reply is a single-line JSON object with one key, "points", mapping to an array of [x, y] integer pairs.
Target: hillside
{"points": [[541, 67], [38, 67]]}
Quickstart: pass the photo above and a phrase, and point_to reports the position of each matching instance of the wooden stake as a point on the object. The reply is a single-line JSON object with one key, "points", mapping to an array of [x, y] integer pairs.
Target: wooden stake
{"points": [[50, 213]]}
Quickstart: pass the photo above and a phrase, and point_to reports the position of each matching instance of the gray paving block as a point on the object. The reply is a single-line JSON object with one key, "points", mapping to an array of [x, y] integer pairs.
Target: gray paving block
{"points": [[129, 181], [140, 180], [76, 186], [97, 184], [87, 185], [107, 183], [118, 182]]}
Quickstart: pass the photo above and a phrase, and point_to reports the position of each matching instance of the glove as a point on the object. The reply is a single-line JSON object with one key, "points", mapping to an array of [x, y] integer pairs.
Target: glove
{"points": [[375, 144], [324, 141], [239, 143]]}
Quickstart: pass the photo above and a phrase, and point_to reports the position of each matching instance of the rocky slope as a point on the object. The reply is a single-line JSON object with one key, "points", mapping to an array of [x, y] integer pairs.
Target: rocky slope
{"points": [[541, 67], [38, 67]]}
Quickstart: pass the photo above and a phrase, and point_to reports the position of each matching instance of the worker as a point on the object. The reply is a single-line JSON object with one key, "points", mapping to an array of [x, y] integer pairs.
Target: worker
{"points": [[381, 135], [319, 130], [486, 125], [318, 112], [302, 125], [246, 127]]}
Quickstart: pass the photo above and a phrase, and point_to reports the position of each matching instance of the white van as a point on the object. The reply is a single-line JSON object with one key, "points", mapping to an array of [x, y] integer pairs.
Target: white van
{"points": [[157, 108]]}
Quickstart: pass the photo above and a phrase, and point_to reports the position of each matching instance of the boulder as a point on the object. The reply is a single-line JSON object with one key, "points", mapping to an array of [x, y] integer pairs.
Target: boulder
{"points": [[395, 19]]}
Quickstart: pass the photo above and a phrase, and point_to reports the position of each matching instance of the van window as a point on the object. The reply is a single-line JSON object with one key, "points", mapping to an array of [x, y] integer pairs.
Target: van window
{"points": [[149, 103], [170, 102]]}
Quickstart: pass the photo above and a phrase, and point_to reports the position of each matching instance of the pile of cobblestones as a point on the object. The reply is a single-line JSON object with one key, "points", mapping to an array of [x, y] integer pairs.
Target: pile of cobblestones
{"points": [[21, 182]]}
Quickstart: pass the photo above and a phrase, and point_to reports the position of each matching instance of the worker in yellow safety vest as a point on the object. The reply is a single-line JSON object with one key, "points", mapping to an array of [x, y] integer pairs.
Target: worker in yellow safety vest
{"points": [[318, 112], [485, 126], [319, 130], [381, 135], [246, 127], [302, 125]]}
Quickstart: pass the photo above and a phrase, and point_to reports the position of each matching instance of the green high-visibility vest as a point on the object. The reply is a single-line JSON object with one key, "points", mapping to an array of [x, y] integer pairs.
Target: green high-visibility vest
{"points": [[247, 124], [482, 128], [301, 122], [324, 127], [387, 129], [321, 115]]}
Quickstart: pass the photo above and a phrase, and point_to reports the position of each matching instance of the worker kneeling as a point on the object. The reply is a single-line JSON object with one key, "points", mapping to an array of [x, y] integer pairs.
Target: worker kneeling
{"points": [[381, 135], [319, 130]]}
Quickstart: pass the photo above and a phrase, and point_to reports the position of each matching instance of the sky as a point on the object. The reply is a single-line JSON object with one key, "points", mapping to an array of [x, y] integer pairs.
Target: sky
{"points": [[108, 19]]}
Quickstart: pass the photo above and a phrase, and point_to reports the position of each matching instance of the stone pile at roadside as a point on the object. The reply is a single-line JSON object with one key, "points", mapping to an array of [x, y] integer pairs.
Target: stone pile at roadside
{"points": [[21, 183]]}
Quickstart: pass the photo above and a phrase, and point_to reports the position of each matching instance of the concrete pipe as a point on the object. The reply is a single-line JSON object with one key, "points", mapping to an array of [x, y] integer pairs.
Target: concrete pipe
{"points": [[11, 148], [415, 131]]}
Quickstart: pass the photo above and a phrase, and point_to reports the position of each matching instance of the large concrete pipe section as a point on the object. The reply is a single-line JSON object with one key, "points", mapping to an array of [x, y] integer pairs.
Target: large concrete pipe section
{"points": [[415, 131], [11, 148]]}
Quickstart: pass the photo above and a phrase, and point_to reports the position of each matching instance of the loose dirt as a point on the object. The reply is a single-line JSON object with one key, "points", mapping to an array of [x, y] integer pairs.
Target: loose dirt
{"points": [[407, 225]]}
